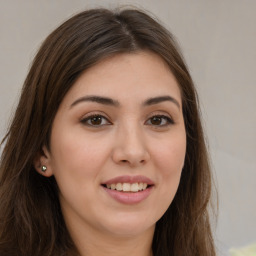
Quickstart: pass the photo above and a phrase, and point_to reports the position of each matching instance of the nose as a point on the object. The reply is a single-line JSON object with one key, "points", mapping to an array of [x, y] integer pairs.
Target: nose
{"points": [[130, 148]]}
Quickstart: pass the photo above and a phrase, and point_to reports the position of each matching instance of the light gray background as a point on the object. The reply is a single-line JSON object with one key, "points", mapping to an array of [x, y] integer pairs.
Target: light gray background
{"points": [[218, 39]]}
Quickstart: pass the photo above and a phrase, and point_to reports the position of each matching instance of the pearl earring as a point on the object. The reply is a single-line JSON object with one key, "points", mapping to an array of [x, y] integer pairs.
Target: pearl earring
{"points": [[44, 168]]}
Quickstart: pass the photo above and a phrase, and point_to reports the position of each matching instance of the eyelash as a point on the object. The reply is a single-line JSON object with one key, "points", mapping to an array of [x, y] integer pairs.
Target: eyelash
{"points": [[88, 120], [167, 119]]}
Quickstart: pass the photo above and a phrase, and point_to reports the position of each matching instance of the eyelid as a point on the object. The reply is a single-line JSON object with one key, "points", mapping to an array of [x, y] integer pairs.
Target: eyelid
{"points": [[90, 115], [165, 116]]}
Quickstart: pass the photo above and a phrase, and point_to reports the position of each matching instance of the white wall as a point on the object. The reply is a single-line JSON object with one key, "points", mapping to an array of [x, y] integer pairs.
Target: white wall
{"points": [[218, 39]]}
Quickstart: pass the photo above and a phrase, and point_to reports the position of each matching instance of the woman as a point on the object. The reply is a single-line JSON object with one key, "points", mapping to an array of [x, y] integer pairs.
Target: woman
{"points": [[106, 153]]}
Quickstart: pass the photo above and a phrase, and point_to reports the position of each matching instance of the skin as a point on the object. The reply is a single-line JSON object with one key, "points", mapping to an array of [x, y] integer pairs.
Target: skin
{"points": [[125, 141]]}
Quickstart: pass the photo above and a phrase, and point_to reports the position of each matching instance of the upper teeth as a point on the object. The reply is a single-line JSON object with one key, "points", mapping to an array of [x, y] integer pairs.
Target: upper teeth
{"points": [[128, 187]]}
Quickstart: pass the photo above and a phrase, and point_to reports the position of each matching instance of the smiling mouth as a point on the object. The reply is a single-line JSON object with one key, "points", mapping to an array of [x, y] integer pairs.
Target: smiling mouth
{"points": [[127, 187]]}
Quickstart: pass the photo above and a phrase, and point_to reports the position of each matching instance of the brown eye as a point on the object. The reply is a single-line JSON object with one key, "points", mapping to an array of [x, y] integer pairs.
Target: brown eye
{"points": [[95, 120], [159, 120], [156, 120]]}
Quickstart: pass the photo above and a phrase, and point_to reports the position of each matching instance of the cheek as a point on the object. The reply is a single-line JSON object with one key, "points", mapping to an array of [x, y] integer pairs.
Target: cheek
{"points": [[77, 163], [169, 160], [169, 155], [76, 156]]}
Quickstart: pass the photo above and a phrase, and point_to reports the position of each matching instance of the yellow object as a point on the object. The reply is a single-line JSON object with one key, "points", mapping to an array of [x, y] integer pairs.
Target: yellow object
{"points": [[244, 251]]}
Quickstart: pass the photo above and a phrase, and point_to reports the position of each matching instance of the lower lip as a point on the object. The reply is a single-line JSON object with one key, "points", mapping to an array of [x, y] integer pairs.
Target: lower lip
{"points": [[129, 197]]}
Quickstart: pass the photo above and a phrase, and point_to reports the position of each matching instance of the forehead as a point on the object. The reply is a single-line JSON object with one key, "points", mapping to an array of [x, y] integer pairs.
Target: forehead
{"points": [[127, 76]]}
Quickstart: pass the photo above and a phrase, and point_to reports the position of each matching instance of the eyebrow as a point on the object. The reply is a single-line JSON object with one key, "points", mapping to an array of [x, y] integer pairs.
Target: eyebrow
{"points": [[157, 100], [98, 99], [115, 103]]}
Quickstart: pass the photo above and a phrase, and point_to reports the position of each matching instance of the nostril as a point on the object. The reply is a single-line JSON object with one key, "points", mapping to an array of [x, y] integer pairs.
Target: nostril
{"points": [[127, 161]]}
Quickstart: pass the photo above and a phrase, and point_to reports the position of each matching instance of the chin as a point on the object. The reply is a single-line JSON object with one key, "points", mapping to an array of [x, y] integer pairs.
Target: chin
{"points": [[130, 225]]}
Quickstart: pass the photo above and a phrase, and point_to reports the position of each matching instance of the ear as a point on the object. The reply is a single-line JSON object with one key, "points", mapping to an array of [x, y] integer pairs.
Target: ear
{"points": [[42, 162]]}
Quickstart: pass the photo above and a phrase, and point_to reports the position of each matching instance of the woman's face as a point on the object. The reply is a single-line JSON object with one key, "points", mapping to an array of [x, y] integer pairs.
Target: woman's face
{"points": [[118, 146]]}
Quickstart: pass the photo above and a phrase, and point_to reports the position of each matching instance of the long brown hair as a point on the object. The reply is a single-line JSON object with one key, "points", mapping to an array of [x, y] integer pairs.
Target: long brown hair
{"points": [[31, 221]]}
